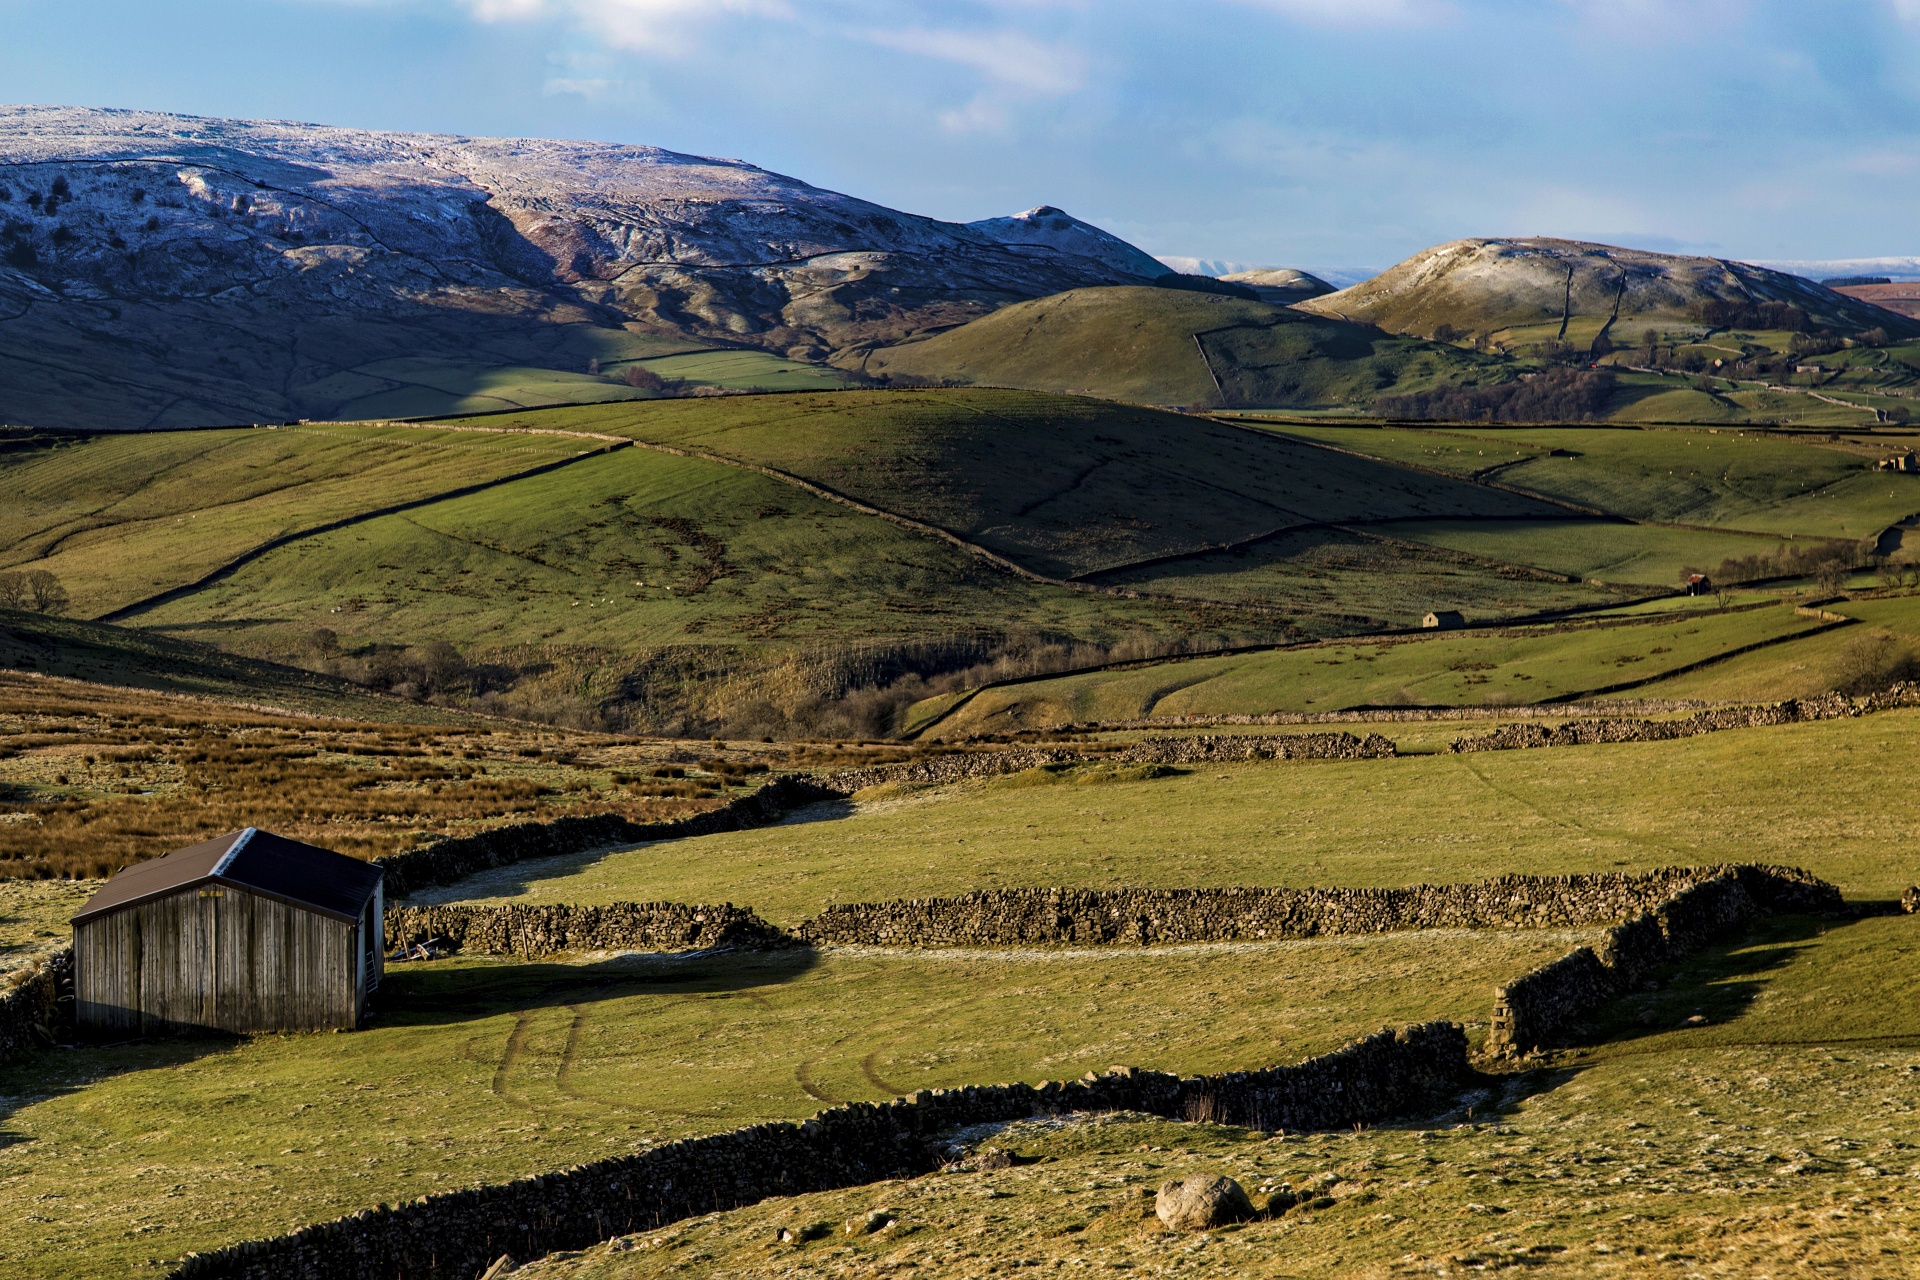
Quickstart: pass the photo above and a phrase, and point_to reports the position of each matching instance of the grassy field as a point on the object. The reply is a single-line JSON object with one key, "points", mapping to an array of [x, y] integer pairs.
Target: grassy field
{"points": [[630, 551], [1776, 1139], [1807, 795], [1169, 347], [1341, 581], [1745, 480], [484, 1071], [1598, 550], [418, 387], [1524, 665], [1062, 484], [120, 517], [740, 371]]}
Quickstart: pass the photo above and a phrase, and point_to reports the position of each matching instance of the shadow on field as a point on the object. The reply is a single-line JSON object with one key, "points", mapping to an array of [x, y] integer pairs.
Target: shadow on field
{"points": [[1712, 988], [71, 1068], [444, 991]]}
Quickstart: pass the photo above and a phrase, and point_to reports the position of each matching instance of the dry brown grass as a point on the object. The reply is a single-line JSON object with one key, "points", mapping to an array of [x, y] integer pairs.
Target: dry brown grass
{"points": [[93, 777]]}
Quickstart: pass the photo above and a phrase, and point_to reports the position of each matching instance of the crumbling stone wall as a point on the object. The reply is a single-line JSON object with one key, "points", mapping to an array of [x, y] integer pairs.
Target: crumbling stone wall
{"points": [[456, 1235], [1551, 1004], [37, 1004], [1210, 749], [544, 929], [1141, 917], [1581, 732]]}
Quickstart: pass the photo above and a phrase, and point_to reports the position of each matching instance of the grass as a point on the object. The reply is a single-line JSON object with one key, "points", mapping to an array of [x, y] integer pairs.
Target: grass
{"points": [[1599, 550], [1524, 665], [95, 652], [93, 777], [1164, 346], [738, 370], [483, 1071], [1342, 581], [1745, 480], [1063, 485], [421, 386], [1813, 795], [1777, 1139], [121, 517], [630, 551], [34, 915]]}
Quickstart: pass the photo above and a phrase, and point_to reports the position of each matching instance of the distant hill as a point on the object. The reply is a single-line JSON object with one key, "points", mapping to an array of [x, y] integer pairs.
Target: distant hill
{"points": [[161, 270], [1058, 231], [1281, 285], [1567, 290], [1168, 347], [1895, 295]]}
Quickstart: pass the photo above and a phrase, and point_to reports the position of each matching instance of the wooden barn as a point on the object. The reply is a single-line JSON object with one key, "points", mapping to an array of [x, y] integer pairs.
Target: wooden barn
{"points": [[246, 932]]}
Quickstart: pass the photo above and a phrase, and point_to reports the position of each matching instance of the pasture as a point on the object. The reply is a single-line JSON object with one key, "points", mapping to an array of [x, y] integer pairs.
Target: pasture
{"points": [[1440, 669], [481, 1071]]}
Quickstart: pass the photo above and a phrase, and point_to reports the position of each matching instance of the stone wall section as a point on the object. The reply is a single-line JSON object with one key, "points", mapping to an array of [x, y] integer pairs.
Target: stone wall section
{"points": [[1582, 732], [1553, 1003], [37, 1004], [1910, 900], [456, 1235], [545, 929], [1143, 917]]}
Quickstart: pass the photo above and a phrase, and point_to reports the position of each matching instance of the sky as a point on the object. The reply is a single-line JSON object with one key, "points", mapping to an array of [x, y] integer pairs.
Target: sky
{"points": [[1328, 133]]}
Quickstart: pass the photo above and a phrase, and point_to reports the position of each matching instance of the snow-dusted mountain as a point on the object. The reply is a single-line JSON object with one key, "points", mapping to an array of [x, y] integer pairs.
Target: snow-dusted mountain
{"points": [[166, 270], [1055, 229]]}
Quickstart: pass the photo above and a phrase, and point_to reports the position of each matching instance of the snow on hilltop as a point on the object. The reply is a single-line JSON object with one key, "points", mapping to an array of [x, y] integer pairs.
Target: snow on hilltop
{"points": [[181, 269], [1059, 230]]}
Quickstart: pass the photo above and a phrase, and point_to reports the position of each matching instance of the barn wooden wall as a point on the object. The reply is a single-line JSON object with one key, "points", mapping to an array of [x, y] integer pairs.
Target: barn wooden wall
{"points": [[227, 960]]}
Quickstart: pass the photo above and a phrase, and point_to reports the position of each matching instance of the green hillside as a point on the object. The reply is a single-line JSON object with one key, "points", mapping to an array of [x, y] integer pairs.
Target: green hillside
{"points": [[1163, 346]]}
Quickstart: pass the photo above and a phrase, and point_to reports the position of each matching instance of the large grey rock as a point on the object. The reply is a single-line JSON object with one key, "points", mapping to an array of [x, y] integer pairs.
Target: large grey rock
{"points": [[1200, 1201]]}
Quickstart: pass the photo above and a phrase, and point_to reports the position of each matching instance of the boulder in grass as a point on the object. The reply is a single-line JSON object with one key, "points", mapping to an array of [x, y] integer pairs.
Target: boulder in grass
{"points": [[1201, 1201], [1910, 900]]}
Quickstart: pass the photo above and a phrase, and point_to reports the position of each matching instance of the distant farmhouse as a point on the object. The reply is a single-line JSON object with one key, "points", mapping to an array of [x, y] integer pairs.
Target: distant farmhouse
{"points": [[1699, 584], [1444, 620], [1908, 461], [246, 932]]}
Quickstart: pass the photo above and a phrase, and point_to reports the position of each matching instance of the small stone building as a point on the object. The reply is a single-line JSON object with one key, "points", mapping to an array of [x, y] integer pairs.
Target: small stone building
{"points": [[1444, 620], [1699, 584], [246, 932]]}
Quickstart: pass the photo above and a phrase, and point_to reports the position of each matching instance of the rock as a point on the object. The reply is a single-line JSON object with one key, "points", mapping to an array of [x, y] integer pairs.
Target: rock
{"points": [[878, 1220], [1910, 900], [1200, 1201]]}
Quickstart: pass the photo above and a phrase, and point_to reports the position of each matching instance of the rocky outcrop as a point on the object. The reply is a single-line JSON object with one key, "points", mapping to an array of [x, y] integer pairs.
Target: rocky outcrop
{"points": [[456, 1235]]}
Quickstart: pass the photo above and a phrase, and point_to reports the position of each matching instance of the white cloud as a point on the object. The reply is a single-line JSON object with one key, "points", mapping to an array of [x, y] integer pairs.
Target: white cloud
{"points": [[1905, 10], [1017, 67], [1365, 14], [657, 26]]}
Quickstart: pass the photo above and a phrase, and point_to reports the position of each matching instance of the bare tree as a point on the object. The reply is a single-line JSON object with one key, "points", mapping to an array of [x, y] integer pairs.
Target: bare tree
{"points": [[13, 590], [44, 592]]}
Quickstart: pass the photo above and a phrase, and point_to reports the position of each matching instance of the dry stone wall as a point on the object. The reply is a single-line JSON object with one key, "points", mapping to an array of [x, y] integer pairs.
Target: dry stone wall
{"points": [[542, 930], [37, 1004], [1581, 732], [456, 1235], [1550, 1005], [1142, 917]]}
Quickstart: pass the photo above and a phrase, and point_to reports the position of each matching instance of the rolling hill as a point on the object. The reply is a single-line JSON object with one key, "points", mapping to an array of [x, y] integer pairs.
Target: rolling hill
{"points": [[1161, 346], [161, 270], [1528, 291]]}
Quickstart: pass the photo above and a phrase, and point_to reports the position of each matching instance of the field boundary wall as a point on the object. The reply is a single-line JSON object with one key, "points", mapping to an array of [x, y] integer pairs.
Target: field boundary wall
{"points": [[1582, 732], [1554, 1003], [38, 1001], [456, 1235]]}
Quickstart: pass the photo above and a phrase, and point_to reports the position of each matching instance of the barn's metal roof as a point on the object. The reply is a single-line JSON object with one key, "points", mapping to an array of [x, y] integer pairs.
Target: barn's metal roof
{"points": [[258, 861]]}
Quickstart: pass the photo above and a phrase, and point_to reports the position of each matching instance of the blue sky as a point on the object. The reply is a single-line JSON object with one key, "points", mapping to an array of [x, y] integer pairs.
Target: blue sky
{"points": [[1305, 132]]}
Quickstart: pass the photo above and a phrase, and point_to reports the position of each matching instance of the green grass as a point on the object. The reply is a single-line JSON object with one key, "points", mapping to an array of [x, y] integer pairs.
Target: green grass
{"points": [[627, 552], [483, 1071], [1775, 1140], [121, 517], [1063, 485], [1165, 346], [1747, 480], [1526, 665], [417, 387], [1813, 795], [1648, 555], [108, 655], [742, 371], [34, 915], [1342, 582]]}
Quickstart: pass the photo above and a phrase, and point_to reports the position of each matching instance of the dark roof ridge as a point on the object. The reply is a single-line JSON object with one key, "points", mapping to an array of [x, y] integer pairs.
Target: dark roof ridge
{"points": [[257, 861]]}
